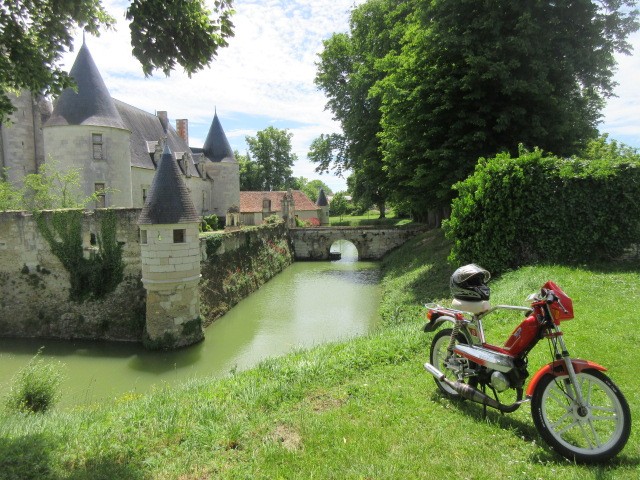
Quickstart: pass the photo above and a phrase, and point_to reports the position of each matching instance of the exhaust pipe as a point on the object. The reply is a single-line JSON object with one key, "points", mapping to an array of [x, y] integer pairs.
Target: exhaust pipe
{"points": [[470, 393]]}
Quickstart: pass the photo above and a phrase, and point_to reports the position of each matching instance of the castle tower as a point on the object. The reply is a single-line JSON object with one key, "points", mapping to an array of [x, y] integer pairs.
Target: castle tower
{"points": [[86, 131], [21, 144], [223, 168], [323, 208], [170, 250]]}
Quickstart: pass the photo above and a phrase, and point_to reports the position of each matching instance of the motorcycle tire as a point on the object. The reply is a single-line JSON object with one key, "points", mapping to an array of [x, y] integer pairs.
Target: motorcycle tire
{"points": [[438, 355], [591, 434]]}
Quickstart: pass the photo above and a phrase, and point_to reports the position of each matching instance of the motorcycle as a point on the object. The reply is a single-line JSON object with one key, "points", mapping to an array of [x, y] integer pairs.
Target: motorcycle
{"points": [[575, 407]]}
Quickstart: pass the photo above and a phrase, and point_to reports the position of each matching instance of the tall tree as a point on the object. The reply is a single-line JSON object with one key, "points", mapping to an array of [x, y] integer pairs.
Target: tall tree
{"points": [[311, 188], [475, 77], [272, 158], [34, 34], [349, 67]]}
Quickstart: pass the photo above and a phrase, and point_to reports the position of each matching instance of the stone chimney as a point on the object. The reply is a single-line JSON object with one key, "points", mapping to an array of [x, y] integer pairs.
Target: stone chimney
{"points": [[182, 127], [162, 115]]}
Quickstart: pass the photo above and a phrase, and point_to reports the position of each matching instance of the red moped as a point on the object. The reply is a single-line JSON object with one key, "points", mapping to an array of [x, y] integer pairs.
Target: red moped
{"points": [[576, 408]]}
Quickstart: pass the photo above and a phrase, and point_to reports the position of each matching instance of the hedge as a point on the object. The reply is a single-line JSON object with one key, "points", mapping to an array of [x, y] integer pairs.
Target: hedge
{"points": [[540, 208]]}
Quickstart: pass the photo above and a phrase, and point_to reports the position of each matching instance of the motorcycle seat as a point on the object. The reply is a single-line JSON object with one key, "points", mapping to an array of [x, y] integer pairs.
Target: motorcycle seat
{"points": [[472, 307]]}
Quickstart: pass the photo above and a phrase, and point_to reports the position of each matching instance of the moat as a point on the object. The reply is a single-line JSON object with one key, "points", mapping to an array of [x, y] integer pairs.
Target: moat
{"points": [[308, 304]]}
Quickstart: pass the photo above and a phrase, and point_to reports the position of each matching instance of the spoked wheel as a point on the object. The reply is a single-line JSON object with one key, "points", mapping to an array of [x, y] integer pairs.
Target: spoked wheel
{"points": [[591, 433], [440, 359]]}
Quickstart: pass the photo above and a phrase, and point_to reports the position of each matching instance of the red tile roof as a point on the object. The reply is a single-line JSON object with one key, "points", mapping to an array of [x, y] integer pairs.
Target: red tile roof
{"points": [[251, 202]]}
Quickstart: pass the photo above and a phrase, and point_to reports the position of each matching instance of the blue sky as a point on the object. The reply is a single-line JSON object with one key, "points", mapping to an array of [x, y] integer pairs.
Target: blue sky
{"points": [[265, 78]]}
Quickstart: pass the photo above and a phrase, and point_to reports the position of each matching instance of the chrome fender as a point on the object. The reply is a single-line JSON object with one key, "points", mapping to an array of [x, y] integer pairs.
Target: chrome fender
{"points": [[559, 369]]}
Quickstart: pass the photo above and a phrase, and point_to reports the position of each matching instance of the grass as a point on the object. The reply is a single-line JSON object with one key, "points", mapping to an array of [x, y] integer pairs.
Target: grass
{"points": [[355, 410], [369, 218]]}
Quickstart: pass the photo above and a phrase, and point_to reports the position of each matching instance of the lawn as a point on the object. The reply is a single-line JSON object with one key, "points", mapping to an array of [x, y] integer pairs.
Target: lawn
{"points": [[363, 409]]}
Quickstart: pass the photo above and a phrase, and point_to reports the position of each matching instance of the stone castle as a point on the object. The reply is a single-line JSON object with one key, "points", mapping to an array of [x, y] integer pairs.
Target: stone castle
{"points": [[117, 146]]}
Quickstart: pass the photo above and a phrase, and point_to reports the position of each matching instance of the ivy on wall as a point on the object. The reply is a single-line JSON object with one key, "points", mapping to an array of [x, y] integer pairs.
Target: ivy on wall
{"points": [[92, 277]]}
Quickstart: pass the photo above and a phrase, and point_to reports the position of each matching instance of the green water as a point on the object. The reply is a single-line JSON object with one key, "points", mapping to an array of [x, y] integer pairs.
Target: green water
{"points": [[308, 304]]}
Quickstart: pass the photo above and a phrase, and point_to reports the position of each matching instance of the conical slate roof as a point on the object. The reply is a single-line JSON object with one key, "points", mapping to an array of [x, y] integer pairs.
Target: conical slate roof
{"points": [[91, 104], [322, 199], [216, 147], [169, 200]]}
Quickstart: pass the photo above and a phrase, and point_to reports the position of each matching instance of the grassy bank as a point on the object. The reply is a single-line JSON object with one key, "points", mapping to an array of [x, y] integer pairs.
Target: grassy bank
{"points": [[363, 409]]}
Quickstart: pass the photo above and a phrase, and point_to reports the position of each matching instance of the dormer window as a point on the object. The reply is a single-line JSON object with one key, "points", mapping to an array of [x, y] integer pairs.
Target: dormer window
{"points": [[266, 204], [98, 151]]}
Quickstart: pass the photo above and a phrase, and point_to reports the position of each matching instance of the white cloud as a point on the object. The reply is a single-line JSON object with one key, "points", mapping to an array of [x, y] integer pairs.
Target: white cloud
{"points": [[267, 71]]}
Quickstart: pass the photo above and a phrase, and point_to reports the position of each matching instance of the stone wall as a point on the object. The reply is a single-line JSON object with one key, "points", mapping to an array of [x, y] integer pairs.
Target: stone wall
{"points": [[238, 263], [35, 286]]}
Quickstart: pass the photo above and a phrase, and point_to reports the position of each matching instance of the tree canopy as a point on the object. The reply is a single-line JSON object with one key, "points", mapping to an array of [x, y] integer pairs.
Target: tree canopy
{"points": [[423, 88], [348, 69], [34, 34], [268, 165], [311, 188]]}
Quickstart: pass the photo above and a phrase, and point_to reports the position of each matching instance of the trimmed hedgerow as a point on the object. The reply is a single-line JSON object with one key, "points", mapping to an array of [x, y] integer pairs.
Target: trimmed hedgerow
{"points": [[540, 208]]}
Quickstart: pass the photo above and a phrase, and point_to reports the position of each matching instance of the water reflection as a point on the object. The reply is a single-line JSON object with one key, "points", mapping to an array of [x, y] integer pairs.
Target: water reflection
{"points": [[307, 304]]}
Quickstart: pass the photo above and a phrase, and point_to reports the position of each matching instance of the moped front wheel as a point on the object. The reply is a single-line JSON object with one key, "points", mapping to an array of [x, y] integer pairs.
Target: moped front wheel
{"points": [[444, 362], [589, 433]]}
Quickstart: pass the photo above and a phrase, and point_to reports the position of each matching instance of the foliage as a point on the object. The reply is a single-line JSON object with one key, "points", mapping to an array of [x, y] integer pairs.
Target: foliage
{"points": [[209, 223], [34, 35], [169, 32], [49, 189], [474, 78], [541, 208], [311, 188], [272, 219], [213, 243], [10, 196], [349, 67], [89, 277], [270, 165], [35, 388], [339, 205]]}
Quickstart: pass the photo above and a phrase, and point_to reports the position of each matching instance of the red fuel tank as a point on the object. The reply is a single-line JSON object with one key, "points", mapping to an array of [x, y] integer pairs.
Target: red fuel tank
{"points": [[522, 336]]}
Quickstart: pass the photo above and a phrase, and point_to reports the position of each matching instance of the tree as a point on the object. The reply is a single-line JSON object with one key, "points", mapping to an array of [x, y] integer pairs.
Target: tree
{"points": [[311, 188], [474, 78], [273, 159], [34, 34], [51, 188], [250, 174], [339, 205], [348, 69]]}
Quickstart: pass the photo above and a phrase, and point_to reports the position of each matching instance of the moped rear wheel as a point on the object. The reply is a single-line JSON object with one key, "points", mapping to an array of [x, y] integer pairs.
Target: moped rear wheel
{"points": [[591, 433], [441, 359]]}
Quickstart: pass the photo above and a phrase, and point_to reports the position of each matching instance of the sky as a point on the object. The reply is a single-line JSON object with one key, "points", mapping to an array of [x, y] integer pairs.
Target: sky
{"points": [[265, 78]]}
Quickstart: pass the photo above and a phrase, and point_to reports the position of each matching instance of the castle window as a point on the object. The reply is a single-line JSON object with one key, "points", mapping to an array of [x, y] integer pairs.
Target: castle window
{"points": [[101, 196], [179, 236], [98, 153], [143, 237]]}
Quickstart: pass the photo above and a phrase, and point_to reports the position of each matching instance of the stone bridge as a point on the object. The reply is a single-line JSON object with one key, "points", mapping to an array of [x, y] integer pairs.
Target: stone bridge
{"points": [[372, 243]]}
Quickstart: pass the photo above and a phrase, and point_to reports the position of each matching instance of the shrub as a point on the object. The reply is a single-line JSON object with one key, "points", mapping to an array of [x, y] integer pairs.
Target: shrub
{"points": [[35, 388], [540, 208], [209, 223], [272, 219]]}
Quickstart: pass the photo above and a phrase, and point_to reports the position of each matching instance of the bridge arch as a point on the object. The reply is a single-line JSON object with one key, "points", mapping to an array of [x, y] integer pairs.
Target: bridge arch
{"points": [[372, 243]]}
